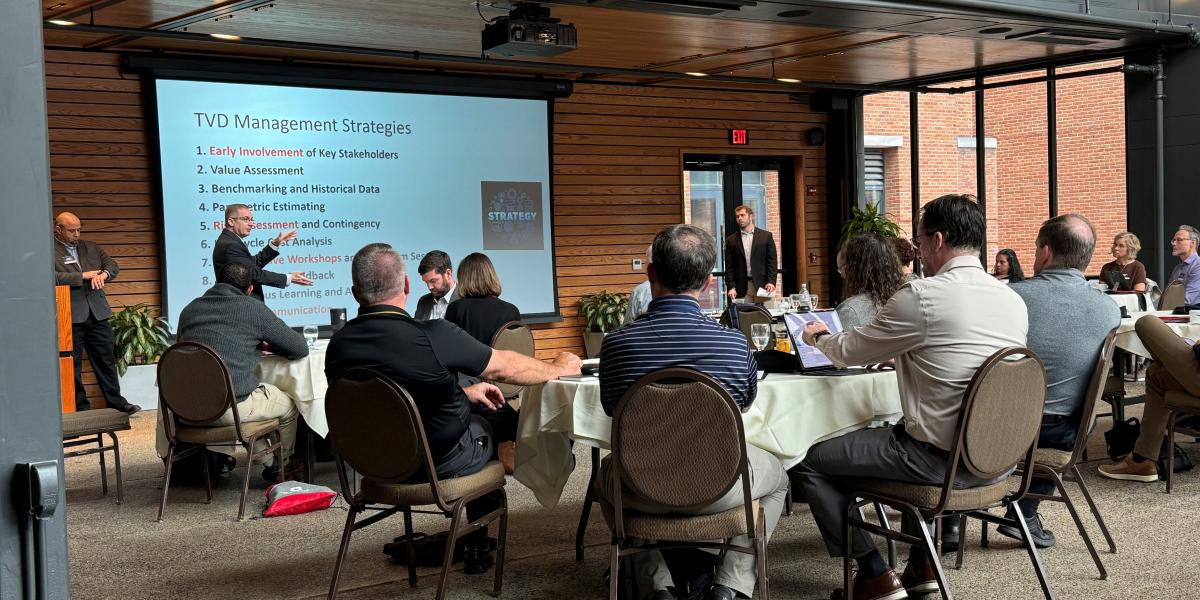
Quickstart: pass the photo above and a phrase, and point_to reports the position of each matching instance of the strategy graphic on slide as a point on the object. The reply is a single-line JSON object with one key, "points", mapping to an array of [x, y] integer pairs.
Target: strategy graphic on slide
{"points": [[346, 168]]}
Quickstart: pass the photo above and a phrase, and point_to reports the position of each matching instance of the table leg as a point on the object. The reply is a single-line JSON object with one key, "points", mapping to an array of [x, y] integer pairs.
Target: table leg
{"points": [[310, 454], [588, 498]]}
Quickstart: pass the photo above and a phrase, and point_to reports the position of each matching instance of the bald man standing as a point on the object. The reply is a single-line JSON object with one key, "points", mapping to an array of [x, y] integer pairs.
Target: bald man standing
{"points": [[86, 267]]}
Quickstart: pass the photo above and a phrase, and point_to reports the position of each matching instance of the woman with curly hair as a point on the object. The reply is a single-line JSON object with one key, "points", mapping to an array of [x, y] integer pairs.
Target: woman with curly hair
{"points": [[872, 275], [1008, 268]]}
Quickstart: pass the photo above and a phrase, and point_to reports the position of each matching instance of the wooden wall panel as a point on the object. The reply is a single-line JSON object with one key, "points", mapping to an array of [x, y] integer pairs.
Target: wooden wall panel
{"points": [[617, 175]]}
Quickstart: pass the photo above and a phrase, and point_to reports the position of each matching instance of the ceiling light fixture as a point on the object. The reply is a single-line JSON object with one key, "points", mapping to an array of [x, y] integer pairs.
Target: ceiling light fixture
{"points": [[787, 80], [696, 74], [226, 36], [58, 6], [62, 22]]}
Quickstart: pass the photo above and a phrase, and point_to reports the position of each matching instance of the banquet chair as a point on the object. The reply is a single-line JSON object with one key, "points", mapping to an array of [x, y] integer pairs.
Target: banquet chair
{"points": [[1180, 363], [1063, 465], [194, 390], [997, 428], [1173, 297], [516, 337], [748, 315], [645, 460], [375, 428], [89, 427]]}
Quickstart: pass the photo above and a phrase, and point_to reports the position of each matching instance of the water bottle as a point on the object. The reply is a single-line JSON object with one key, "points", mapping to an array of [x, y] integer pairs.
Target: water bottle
{"points": [[805, 298]]}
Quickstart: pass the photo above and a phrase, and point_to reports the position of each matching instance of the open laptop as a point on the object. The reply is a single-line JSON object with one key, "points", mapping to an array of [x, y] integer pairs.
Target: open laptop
{"points": [[809, 357]]}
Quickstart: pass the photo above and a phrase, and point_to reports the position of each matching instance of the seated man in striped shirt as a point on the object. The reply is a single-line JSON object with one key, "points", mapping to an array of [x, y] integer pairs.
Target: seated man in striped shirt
{"points": [[674, 333]]}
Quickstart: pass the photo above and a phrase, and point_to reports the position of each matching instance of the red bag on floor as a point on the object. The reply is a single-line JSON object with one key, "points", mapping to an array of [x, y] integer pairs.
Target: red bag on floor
{"points": [[296, 497]]}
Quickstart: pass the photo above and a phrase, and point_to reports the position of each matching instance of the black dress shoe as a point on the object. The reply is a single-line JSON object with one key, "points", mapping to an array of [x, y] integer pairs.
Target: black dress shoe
{"points": [[1042, 538], [477, 560], [720, 592], [130, 409]]}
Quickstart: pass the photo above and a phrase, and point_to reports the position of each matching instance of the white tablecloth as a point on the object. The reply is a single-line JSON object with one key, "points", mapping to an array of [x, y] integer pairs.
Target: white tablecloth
{"points": [[1128, 340], [789, 415], [304, 380]]}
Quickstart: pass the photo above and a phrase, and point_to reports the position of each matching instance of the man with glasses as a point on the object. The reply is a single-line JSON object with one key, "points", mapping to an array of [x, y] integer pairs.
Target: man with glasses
{"points": [[1183, 247], [239, 220], [86, 268]]}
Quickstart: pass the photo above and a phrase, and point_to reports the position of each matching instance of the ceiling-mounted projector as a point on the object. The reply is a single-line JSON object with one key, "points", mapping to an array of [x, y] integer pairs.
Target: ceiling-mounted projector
{"points": [[528, 30]]}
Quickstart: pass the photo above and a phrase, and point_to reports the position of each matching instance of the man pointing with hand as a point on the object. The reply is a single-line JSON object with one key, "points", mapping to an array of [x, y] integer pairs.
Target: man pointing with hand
{"points": [[239, 220]]}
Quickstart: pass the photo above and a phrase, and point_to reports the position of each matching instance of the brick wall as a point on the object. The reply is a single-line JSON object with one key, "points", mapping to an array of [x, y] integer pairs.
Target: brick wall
{"points": [[1091, 155]]}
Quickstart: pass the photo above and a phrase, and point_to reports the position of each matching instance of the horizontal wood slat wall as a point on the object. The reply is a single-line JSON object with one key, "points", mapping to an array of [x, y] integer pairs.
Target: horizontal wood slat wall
{"points": [[617, 175]]}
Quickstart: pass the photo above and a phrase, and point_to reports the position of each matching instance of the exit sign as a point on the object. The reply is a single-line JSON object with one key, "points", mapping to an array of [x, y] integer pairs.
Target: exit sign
{"points": [[739, 137]]}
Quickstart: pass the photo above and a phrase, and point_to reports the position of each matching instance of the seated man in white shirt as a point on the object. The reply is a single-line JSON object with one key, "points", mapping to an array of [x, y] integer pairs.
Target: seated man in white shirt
{"points": [[939, 330]]}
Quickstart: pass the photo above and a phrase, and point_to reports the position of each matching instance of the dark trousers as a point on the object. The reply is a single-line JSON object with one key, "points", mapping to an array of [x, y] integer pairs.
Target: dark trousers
{"points": [[474, 450], [96, 336], [1058, 432]]}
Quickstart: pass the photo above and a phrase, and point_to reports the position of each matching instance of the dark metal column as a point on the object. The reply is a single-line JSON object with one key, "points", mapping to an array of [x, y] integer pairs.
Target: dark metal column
{"points": [[914, 151], [33, 554], [981, 162], [1052, 140]]}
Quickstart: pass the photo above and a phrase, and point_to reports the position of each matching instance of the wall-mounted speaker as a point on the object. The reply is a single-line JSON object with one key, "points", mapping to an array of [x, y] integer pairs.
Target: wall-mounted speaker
{"points": [[816, 136]]}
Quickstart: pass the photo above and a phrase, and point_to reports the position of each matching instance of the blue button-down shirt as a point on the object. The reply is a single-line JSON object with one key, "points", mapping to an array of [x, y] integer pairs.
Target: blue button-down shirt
{"points": [[1188, 272], [674, 333]]}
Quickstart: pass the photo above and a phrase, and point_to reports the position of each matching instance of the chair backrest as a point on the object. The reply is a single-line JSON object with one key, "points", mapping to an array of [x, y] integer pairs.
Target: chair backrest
{"points": [[658, 427], [1001, 415], [748, 314], [194, 385], [1095, 391], [374, 425], [516, 337], [1173, 297]]}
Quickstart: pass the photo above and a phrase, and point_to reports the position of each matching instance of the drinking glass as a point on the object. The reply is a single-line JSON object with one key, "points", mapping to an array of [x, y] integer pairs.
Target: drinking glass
{"points": [[797, 303], [812, 301], [310, 335], [760, 334]]}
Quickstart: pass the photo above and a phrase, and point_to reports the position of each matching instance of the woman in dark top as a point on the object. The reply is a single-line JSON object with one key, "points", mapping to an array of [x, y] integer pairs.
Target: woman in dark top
{"points": [[480, 312], [1126, 271], [1008, 268]]}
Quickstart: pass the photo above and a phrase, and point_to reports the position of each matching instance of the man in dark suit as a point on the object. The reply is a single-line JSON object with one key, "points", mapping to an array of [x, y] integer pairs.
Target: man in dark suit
{"points": [[86, 267], [750, 259], [437, 272], [239, 220]]}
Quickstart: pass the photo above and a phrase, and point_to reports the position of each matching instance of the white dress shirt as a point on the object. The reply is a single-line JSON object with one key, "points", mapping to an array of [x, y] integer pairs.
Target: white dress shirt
{"points": [[940, 330], [747, 243], [441, 304]]}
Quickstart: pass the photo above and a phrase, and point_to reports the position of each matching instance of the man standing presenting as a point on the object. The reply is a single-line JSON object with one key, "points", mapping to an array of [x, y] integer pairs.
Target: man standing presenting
{"points": [[426, 358], [750, 259], [235, 326], [239, 221], [86, 268], [1183, 247], [437, 272], [939, 330], [1062, 307], [674, 333]]}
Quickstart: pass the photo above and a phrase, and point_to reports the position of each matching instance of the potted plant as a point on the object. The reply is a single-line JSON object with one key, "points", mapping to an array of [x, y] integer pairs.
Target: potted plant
{"points": [[140, 335], [868, 220], [604, 311]]}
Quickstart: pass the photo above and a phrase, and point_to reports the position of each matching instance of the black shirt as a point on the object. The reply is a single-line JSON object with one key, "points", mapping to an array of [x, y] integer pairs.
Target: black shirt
{"points": [[482, 317], [423, 357]]}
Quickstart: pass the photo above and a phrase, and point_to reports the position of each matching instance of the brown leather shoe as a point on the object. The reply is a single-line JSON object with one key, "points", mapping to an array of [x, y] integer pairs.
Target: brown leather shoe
{"points": [[885, 587], [919, 580]]}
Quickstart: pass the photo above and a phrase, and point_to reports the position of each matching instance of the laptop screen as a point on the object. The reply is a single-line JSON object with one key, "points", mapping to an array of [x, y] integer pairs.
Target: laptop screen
{"points": [[810, 357]]}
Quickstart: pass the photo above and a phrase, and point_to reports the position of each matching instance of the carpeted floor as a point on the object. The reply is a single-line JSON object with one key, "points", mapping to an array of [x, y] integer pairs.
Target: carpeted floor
{"points": [[202, 551]]}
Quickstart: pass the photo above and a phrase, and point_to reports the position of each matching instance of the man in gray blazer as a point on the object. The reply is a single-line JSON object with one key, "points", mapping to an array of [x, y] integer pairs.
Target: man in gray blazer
{"points": [[750, 258], [437, 272], [86, 268]]}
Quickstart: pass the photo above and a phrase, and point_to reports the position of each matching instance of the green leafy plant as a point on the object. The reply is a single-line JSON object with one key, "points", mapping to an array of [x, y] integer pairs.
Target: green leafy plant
{"points": [[140, 334], [604, 311], [868, 220]]}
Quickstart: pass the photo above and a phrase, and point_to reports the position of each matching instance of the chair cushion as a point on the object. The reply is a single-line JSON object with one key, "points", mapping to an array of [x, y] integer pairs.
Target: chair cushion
{"points": [[683, 528], [1055, 459], [926, 497], [420, 494], [223, 434], [90, 422]]}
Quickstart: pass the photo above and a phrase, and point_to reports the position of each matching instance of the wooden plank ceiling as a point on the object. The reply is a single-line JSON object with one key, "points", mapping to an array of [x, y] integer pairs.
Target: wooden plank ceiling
{"points": [[870, 47]]}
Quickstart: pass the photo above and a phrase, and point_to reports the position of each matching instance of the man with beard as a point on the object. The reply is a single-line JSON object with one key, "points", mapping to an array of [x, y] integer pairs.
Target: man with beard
{"points": [[437, 272]]}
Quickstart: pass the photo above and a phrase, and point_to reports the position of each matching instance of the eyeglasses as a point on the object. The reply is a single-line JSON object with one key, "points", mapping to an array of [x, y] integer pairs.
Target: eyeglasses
{"points": [[249, 219]]}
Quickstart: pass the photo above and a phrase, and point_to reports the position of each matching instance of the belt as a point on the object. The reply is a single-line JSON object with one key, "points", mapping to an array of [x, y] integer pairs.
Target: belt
{"points": [[928, 447]]}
